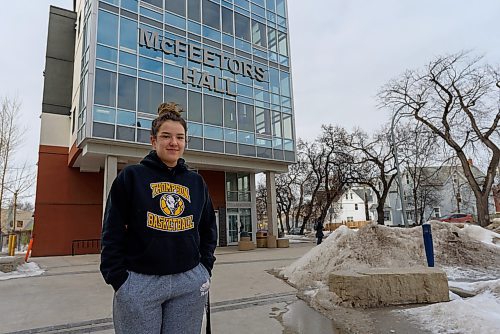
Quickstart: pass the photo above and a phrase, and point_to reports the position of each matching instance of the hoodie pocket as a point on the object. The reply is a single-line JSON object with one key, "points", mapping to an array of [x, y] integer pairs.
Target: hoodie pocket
{"points": [[169, 254]]}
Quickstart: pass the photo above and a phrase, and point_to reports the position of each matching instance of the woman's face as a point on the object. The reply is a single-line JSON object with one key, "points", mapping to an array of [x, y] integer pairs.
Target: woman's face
{"points": [[169, 142]]}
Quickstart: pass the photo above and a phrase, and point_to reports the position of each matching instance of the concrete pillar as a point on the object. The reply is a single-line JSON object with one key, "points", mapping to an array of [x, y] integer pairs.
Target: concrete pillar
{"points": [[253, 197], [110, 172], [272, 219]]}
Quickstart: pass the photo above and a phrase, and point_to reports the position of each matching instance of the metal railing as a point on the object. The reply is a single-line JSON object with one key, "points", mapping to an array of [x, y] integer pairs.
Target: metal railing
{"points": [[87, 244]]}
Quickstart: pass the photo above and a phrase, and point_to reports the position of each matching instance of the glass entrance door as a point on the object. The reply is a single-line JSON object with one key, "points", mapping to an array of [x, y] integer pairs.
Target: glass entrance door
{"points": [[233, 232]]}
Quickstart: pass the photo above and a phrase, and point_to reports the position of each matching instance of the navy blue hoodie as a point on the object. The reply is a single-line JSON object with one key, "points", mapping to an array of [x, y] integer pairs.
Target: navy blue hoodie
{"points": [[158, 221]]}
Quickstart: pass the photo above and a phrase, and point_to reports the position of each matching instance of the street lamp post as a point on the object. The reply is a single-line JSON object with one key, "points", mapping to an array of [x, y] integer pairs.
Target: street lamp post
{"points": [[398, 173]]}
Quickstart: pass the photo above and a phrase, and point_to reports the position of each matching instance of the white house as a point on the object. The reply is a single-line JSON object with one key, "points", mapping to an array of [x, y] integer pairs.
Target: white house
{"points": [[354, 205]]}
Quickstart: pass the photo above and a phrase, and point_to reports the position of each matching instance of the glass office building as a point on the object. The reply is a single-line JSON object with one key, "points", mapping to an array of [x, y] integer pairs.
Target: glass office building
{"points": [[226, 63]]}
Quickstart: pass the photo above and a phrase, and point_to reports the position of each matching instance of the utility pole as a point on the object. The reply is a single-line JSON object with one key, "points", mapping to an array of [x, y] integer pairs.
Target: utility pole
{"points": [[398, 172]]}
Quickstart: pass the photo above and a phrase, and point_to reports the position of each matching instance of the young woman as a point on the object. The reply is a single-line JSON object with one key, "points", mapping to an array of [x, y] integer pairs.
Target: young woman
{"points": [[158, 237]]}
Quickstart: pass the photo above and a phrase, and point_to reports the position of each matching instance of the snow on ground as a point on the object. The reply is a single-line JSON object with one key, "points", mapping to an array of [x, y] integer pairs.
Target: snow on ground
{"points": [[24, 270], [469, 255], [481, 234], [479, 314], [296, 239]]}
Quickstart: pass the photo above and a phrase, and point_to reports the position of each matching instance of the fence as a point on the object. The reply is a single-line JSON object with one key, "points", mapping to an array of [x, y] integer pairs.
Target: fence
{"points": [[88, 246], [353, 224]]}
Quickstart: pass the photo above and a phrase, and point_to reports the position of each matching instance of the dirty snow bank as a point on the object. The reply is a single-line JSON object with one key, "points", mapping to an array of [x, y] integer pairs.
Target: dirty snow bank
{"points": [[376, 246], [24, 270], [469, 255], [479, 314]]}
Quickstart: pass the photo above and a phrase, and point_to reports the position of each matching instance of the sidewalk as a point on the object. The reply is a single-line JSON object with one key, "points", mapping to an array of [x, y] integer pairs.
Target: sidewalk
{"points": [[71, 295]]}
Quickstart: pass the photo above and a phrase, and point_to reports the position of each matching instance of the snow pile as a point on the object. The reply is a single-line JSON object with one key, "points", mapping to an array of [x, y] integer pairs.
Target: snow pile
{"points": [[479, 314], [377, 246], [24, 270], [495, 225], [480, 234], [478, 286]]}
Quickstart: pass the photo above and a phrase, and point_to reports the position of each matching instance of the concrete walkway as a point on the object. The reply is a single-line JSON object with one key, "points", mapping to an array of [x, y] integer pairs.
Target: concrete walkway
{"points": [[71, 296]]}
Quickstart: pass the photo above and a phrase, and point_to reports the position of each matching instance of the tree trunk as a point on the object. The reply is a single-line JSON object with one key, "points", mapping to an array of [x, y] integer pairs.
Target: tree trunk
{"points": [[281, 224], [483, 216], [380, 214]]}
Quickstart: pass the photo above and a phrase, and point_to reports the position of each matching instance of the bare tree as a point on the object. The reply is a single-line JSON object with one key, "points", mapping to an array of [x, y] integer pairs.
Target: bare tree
{"points": [[314, 158], [329, 167], [418, 149], [303, 182], [457, 97], [285, 197], [261, 201], [10, 136], [374, 162]]}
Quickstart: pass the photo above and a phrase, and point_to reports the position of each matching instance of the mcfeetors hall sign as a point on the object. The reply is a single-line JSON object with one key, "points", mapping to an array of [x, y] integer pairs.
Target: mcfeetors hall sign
{"points": [[153, 40]]}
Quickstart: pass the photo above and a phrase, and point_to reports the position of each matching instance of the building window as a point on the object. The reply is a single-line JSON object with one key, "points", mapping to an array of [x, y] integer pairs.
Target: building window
{"points": [[107, 28], [409, 215], [194, 106], [238, 187], [211, 14], [355, 206], [282, 44], [157, 3], [150, 96], [263, 121], [245, 117], [436, 212], [287, 127], [105, 88], [227, 20], [194, 10], [276, 123], [212, 110], [177, 95], [230, 114], [246, 220], [346, 196], [285, 83], [351, 195], [126, 92], [259, 33], [19, 224], [350, 219], [387, 215], [242, 26], [176, 6], [128, 34]]}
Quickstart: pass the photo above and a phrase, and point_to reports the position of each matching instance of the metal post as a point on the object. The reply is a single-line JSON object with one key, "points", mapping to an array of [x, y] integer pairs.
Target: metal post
{"points": [[398, 173]]}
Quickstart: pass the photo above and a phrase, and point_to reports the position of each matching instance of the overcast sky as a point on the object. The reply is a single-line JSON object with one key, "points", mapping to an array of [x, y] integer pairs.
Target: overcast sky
{"points": [[342, 52]]}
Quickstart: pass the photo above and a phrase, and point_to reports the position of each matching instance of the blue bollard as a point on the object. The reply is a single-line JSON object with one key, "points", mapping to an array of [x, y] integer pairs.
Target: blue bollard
{"points": [[429, 249]]}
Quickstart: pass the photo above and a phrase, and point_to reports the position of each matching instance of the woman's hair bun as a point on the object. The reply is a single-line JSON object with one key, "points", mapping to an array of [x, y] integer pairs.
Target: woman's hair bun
{"points": [[170, 107]]}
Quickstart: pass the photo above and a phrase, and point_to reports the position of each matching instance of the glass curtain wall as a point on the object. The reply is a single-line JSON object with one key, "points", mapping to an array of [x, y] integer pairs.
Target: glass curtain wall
{"points": [[251, 117]]}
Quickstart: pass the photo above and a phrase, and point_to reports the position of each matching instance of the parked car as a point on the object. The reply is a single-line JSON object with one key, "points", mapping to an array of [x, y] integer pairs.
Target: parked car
{"points": [[457, 218], [294, 231]]}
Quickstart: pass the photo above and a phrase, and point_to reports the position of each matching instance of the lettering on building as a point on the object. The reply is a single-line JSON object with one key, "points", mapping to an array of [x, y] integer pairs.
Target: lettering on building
{"points": [[199, 55]]}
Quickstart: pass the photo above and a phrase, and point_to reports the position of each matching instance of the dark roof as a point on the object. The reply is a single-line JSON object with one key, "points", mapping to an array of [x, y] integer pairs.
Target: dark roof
{"points": [[361, 194]]}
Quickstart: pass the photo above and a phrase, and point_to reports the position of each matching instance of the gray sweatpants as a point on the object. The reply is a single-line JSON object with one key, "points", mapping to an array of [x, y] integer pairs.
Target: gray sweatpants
{"points": [[167, 304]]}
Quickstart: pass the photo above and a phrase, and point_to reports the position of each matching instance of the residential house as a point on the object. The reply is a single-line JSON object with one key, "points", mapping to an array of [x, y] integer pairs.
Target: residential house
{"points": [[447, 189], [353, 205], [23, 226]]}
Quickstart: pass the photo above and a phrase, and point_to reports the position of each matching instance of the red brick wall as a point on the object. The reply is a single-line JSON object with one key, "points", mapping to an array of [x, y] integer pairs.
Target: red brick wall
{"points": [[68, 203], [216, 181]]}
